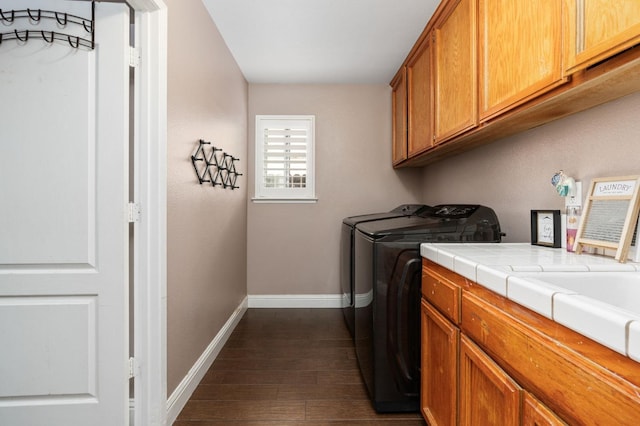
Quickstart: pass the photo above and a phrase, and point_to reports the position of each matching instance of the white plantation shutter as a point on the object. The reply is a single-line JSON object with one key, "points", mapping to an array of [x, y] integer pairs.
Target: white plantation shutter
{"points": [[284, 157]]}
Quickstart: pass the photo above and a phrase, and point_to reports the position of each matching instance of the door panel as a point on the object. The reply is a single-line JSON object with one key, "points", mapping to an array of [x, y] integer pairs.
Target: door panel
{"points": [[62, 334], [509, 73], [63, 228], [598, 29], [52, 128], [419, 102], [454, 71]]}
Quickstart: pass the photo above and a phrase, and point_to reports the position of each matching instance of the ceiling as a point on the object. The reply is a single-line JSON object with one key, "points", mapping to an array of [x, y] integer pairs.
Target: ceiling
{"points": [[320, 41]]}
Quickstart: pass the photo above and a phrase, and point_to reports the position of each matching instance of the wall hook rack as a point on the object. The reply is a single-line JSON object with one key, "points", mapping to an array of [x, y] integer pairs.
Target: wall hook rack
{"points": [[216, 167], [39, 17]]}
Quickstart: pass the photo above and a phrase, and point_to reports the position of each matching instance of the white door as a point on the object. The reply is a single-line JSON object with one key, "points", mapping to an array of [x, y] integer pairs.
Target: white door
{"points": [[64, 124]]}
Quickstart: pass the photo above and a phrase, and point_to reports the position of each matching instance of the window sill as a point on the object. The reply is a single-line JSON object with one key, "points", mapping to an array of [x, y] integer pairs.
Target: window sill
{"points": [[285, 200]]}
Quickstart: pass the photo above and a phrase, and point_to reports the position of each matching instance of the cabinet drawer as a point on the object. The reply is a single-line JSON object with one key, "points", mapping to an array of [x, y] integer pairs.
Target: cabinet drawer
{"points": [[441, 293]]}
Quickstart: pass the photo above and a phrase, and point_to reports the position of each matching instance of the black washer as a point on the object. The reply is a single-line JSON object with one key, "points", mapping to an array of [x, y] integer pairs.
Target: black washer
{"points": [[347, 253], [387, 294]]}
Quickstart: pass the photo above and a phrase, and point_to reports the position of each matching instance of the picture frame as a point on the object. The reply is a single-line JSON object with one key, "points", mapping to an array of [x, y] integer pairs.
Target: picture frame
{"points": [[546, 228], [610, 215]]}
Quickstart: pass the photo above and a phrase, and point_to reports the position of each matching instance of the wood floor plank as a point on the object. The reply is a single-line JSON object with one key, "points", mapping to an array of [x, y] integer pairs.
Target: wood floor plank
{"points": [[260, 342], [298, 351], [243, 410], [335, 377], [253, 377], [287, 367], [348, 410], [225, 392], [286, 364], [333, 392]]}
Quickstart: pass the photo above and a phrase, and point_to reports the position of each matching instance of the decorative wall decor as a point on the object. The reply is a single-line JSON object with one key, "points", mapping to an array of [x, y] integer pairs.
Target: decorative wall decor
{"points": [[546, 228], [59, 20], [215, 167]]}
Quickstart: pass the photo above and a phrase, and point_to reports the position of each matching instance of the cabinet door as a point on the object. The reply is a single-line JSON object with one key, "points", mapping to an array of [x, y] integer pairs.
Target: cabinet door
{"points": [[534, 413], [520, 51], [598, 29], [488, 396], [455, 77], [439, 368], [420, 137], [399, 112]]}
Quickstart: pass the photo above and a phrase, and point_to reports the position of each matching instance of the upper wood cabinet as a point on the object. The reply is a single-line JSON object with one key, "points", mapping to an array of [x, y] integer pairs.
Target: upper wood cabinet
{"points": [[520, 51], [399, 114], [487, 69], [455, 78], [598, 29], [419, 101]]}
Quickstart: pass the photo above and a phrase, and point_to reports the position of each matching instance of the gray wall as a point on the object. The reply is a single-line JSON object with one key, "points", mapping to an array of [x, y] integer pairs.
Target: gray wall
{"points": [[294, 248], [206, 226], [513, 175]]}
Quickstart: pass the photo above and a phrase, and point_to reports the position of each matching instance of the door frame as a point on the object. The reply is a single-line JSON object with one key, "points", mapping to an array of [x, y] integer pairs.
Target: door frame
{"points": [[150, 235]]}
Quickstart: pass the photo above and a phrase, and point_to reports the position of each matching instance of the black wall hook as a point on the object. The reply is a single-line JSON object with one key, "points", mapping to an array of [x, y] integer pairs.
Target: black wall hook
{"points": [[76, 45], [4, 18], [220, 168], [39, 16], [62, 22], [200, 156], [35, 18], [26, 35], [88, 26], [45, 37]]}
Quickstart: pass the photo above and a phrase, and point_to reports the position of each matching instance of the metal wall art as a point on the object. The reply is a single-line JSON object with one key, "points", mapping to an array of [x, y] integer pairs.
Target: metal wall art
{"points": [[49, 23], [215, 166]]}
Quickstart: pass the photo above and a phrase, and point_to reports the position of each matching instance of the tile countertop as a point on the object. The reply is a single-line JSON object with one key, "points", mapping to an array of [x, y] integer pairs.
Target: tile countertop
{"points": [[510, 269]]}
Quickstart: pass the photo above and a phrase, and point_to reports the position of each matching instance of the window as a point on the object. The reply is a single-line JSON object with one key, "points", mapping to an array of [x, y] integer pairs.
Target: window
{"points": [[284, 158]]}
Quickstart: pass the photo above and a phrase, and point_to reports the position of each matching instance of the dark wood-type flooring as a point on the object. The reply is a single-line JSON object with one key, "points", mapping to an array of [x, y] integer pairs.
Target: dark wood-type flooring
{"points": [[287, 367]]}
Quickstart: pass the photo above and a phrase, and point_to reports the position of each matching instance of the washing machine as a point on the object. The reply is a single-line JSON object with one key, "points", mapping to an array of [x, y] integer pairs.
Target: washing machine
{"points": [[347, 252], [388, 291]]}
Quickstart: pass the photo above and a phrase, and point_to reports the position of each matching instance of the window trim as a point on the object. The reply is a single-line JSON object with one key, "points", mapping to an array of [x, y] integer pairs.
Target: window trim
{"points": [[284, 195]]}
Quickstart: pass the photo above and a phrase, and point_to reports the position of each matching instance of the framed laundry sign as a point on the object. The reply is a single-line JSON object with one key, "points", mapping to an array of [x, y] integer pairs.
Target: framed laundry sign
{"points": [[610, 215]]}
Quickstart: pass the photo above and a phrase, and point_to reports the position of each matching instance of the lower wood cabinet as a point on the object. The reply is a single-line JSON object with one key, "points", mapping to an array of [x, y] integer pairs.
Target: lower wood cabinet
{"points": [[489, 361], [483, 395], [535, 413], [488, 396], [439, 352]]}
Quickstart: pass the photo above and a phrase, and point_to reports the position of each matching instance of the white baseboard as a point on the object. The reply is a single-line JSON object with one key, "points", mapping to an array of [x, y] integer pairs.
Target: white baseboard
{"points": [[187, 386], [295, 300]]}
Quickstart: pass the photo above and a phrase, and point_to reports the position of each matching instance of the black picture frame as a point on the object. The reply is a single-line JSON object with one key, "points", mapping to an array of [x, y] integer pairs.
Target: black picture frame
{"points": [[546, 229]]}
